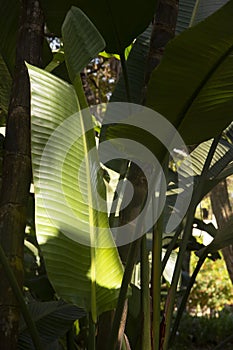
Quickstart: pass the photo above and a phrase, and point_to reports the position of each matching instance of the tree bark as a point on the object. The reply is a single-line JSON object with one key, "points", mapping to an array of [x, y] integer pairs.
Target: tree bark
{"points": [[222, 211], [162, 31], [16, 174]]}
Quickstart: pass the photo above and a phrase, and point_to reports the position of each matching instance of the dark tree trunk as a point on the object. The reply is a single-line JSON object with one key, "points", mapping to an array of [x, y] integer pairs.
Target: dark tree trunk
{"points": [[16, 176], [222, 211], [162, 31]]}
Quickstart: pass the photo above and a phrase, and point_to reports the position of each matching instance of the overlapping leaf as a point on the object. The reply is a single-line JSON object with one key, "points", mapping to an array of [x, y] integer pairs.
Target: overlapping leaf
{"points": [[82, 41], [193, 86]]}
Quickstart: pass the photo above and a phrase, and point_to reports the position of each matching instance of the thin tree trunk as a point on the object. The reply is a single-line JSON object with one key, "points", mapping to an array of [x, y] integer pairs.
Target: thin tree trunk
{"points": [[222, 211], [16, 176]]}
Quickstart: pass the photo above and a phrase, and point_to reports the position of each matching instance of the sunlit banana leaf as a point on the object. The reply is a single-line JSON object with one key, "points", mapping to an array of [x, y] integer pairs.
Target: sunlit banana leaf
{"points": [[193, 87], [66, 185]]}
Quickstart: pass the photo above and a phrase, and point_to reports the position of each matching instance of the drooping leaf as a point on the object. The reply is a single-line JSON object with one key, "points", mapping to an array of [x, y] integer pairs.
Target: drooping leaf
{"points": [[192, 87], [53, 319], [119, 22], [82, 41], [71, 222]]}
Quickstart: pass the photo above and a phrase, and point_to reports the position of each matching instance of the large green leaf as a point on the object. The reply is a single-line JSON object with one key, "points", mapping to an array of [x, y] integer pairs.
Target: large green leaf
{"points": [[53, 319], [119, 22], [82, 41], [82, 262], [193, 86]]}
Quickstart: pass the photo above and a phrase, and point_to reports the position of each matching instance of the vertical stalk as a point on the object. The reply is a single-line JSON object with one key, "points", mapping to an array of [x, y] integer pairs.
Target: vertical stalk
{"points": [[125, 75], [145, 295], [156, 283], [187, 233], [91, 335], [185, 297], [114, 339], [172, 292], [16, 172]]}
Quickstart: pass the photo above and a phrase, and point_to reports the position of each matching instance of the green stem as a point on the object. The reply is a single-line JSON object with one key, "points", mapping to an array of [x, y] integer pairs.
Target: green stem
{"points": [[125, 75], [91, 335], [131, 259], [19, 296], [156, 283], [145, 295], [184, 243], [113, 341], [175, 279], [78, 86], [170, 248], [185, 297]]}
